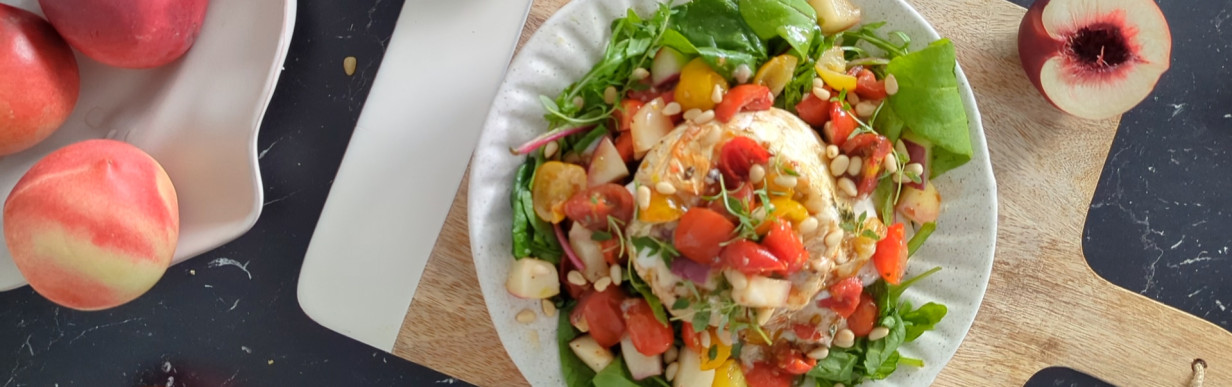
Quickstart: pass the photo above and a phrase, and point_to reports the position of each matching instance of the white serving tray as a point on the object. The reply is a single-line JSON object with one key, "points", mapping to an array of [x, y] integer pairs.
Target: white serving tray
{"points": [[404, 163], [197, 116]]}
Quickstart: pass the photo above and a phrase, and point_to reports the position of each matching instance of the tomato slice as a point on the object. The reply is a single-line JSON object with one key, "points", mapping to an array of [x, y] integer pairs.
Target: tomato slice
{"points": [[808, 333], [891, 255], [603, 315], [624, 114], [737, 156], [743, 98], [864, 318], [592, 206], [649, 336], [841, 124], [844, 297], [815, 111], [692, 339], [873, 148], [791, 360], [700, 233], [783, 242], [763, 374], [750, 258], [611, 252], [624, 146], [868, 87]]}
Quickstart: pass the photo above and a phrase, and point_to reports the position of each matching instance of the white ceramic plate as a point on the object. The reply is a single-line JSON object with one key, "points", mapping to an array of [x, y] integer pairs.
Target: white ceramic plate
{"points": [[562, 51], [197, 116]]}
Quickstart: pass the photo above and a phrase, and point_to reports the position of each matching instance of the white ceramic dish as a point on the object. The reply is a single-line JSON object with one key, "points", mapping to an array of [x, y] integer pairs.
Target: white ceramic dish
{"points": [[197, 116], [562, 51]]}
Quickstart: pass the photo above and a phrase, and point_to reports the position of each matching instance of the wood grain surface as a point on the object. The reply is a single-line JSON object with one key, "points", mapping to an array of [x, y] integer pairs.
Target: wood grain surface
{"points": [[1044, 306]]}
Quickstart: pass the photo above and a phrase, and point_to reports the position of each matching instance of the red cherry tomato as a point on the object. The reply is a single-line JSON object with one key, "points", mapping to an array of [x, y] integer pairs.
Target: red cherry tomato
{"points": [[700, 233], [603, 315], [862, 321], [815, 111], [783, 242], [624, 146], [844, 296], [737, 156], [591, 207], [744, 194], [648, 335], [748, 97], [841, 124], [763, 374], [808, 333], [624, 114], [868, 87], [750, 258], [891, 255], [791, 360], [873, 148], [692, 339], [611, 252]]}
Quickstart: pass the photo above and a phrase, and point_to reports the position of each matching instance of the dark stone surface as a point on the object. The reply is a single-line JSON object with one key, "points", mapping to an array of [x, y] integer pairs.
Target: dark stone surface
{"points": [[1158, 225]]}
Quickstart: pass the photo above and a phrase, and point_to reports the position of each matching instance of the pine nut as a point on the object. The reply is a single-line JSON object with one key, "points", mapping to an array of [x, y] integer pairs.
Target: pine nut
{"points": [[834, 238], [854, 167], [526, 316], [786, 181], [764, 315], [643, 197], [665, 188], [639, 74], [901, 147], [818, 83], [615, 273], [575, 277], [716, 94], [891, 85], [878, 333], [757, 173], [848, 186], [670, 356], [703, 118], [579, 102], [821, 93], [916, 169], [603, 283], [742, 73], [819, 353], [822, 265], [690, 114], [348, 65], [852, 98], [832, 151], [814, 204], [844, 338], [737, 279], [712, 137], [610, 95], [670, 373], [706, 341], [550, 149], [890, 163], [838, 166], [671, 109], [808, 226], [549, 309], [865, 109]]}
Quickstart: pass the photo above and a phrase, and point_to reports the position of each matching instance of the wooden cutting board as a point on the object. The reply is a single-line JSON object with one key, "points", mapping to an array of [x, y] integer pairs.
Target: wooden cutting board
{"points": [[1044, 306]]}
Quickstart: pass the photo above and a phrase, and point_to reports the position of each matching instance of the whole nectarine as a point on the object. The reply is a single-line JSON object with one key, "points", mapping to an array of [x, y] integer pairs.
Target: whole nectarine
{"points": [[93, 225], [39, 82], [128, 33]]}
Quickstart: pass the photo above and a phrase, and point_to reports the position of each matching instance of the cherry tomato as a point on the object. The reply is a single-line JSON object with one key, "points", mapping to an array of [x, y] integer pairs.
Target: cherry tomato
{"points": [[692, 339], [624, 114], [611, 252], [592, 206], [700, 233], [808, 333], [783, 242], [737, 156], [868, 87], [841, 124], [844, 297], [744, 194], [649, 336], [891, 255], [603, 315], [624, 146], [861, 321], [815, 111], [873, 148], [696, 86], [763, 374], [743, 98], [555, 182], [791, 360], [574, 290], [750, 258]]}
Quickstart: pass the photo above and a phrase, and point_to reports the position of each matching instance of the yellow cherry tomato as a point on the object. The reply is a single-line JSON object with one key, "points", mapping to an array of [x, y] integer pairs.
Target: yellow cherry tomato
{"points": [[774, 188], [832, 68], [555, 182], [696, 87], [784, 208], [776, 73], [662, 209], [729, 375], [721, 353]]}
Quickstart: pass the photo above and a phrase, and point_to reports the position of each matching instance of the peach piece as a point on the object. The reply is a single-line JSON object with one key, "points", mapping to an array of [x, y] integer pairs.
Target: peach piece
{"points": [[128, 33], [39, 82], [93, 225]]}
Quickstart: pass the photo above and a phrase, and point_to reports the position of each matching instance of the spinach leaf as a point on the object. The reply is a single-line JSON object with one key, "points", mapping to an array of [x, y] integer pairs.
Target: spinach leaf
{"points": [[617, 375], [839, 367], [543, 243], [801, 84], [888, 367], [715, 30], [929, 105], [575, 371], [879, 352], [923, 319], [635, 281], [793, 20], [521, 224]]}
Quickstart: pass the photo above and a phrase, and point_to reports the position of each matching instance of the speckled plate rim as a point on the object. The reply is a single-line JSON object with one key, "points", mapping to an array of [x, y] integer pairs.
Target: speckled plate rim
{"points": [[565, 47]]}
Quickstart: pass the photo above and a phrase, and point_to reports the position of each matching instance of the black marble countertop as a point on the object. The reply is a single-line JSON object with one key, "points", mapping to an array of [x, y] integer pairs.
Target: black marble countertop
{"points": [[1159, 225]]}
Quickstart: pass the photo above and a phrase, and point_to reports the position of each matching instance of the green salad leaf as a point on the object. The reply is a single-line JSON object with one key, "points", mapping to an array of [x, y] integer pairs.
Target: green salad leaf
{"points": [[715, 30], [929, 105], [617, 375], [793, 20], [923, 319], [575, 371], [532, 237]]}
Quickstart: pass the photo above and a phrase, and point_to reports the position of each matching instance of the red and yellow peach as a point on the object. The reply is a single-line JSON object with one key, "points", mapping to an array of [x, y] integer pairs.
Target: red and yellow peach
{"points": [[128, 33], [39, 82]]}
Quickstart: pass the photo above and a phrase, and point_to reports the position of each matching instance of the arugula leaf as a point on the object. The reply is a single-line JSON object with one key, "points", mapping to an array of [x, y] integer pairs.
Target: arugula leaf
{"points": [[929, 104], [923, 319], [639, 285], [715, 30], [801, 84], [653, 246], [593, 135], [868, 33], [920, 236], [617, 375], [793, 20], [575, 371]]}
